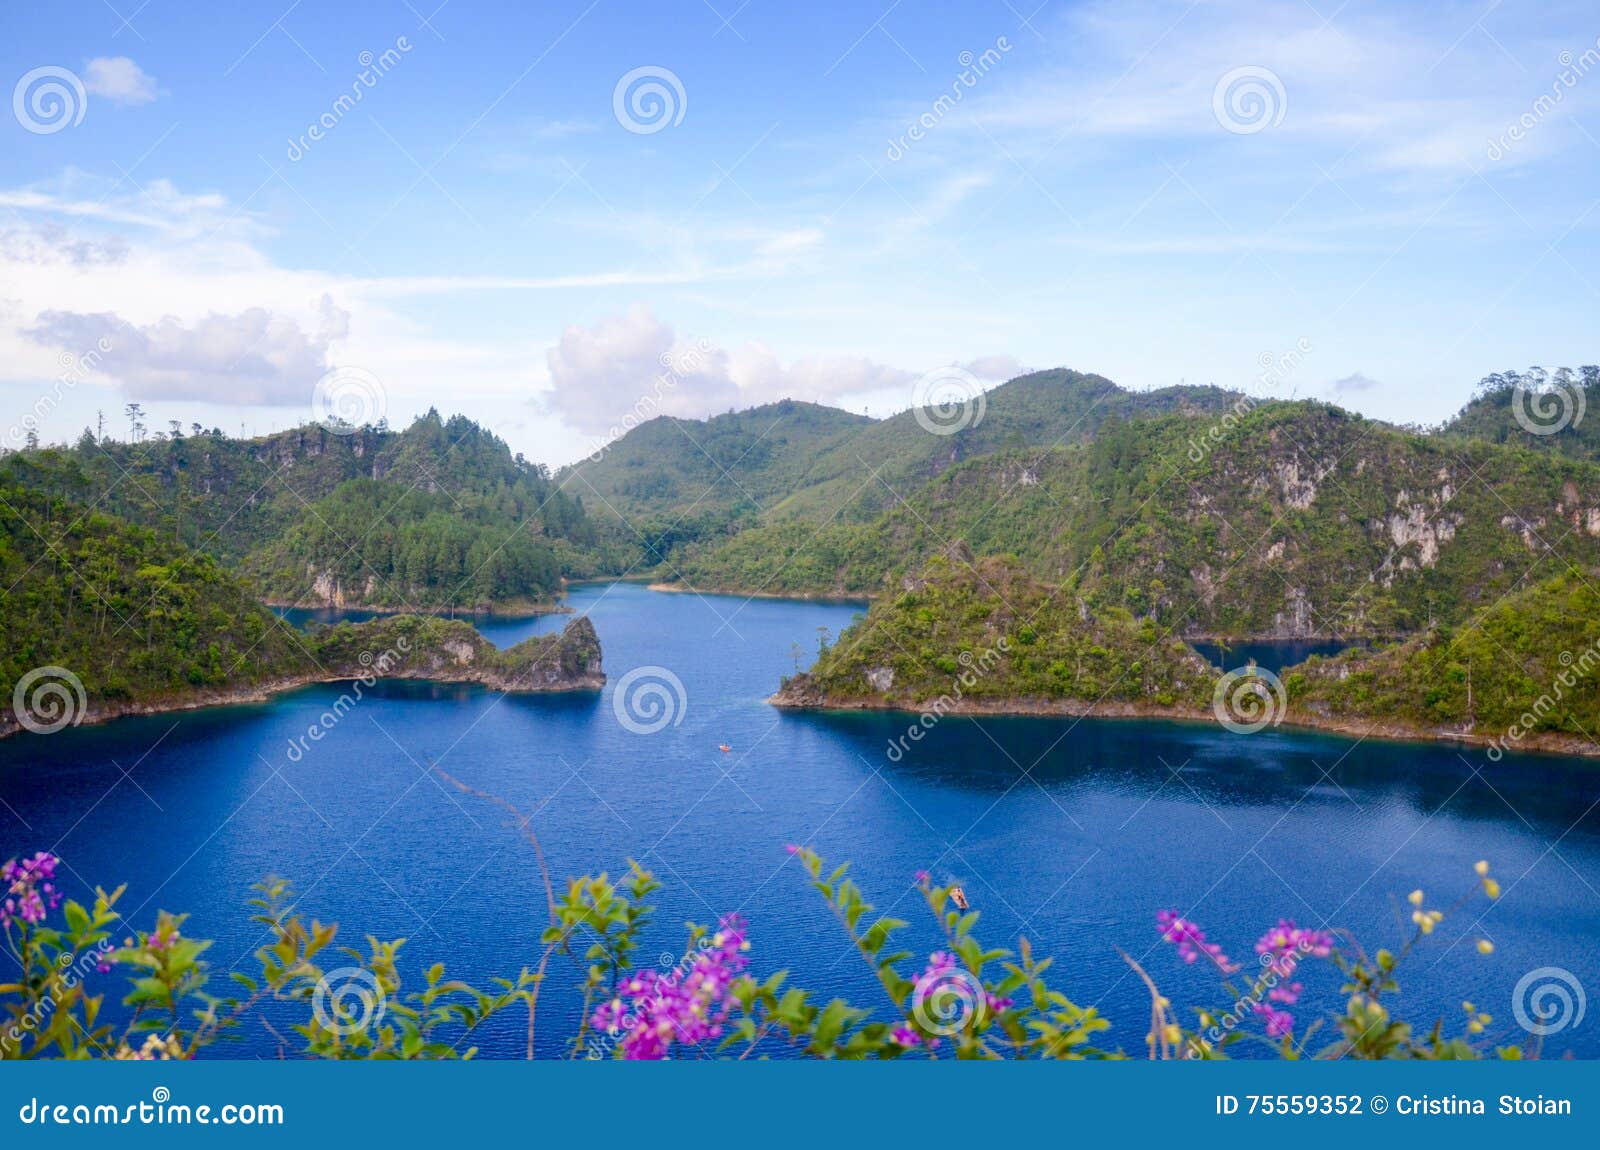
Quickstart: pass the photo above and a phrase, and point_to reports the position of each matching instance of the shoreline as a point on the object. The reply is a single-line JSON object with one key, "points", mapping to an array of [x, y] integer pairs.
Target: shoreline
{"points": [[266, 690], [529, 611], [797, 597], [1393, 731]]}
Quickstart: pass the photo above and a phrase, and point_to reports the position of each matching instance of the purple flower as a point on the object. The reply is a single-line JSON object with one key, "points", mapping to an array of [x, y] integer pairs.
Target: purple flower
{"points": [[30, 894], [687, 1004], [1280, 1023], [1191, 940]]}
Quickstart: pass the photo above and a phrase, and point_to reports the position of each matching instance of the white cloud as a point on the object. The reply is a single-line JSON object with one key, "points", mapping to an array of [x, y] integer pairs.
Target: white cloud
{"points": [[253, 358], [634, 366], [119, 80]]}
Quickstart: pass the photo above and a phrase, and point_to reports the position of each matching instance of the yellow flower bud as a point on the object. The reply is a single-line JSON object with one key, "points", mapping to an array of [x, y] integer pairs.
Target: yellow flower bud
{"points": [[1485, 946], [1491, 888], [1172, 1035], [1415, 898], [1481, 866], [1475, 1026]]}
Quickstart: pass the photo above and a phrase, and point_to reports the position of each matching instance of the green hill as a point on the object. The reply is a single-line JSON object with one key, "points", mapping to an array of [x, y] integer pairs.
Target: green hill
{"points": [[1524, 671], [1296, 519], [440, 515], [1557, 409], [102, 618], [680, 484], [985, 635]]}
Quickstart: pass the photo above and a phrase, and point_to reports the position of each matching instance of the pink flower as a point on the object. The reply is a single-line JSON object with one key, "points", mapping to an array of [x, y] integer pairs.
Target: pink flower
{"points": [[1279, 1022], [30, 895], [688, 1004], [1191, 940]]}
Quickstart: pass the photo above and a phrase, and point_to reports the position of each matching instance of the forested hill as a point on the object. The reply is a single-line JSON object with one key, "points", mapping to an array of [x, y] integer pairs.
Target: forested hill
{"points": [[1545, 410], [984, 636], [99, 618], [1297, 519], [439, 515], [680, 482]]}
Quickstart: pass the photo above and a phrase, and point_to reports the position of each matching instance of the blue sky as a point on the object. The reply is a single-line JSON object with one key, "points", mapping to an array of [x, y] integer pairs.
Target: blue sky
{"points": [[1155, 192]]}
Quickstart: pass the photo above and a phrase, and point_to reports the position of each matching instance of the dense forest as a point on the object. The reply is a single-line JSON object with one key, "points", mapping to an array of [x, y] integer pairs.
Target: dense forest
{"points": [[100, 617], [440, 515], [1299, 520]]}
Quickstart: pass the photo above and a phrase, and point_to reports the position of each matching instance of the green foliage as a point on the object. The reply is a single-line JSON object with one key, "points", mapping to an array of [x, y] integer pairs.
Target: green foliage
{"points": [[986, 634], [1526, 666], [440, 515]]}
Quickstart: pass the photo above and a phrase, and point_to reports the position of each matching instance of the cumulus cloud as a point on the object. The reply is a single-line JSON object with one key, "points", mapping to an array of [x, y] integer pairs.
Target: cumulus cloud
{"points": [[634, 366], [119, 80], [255, 357], [1356, 382]]}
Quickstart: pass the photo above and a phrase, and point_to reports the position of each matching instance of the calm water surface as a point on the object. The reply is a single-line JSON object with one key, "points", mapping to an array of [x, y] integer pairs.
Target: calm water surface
{"points": [[1071, 833]]}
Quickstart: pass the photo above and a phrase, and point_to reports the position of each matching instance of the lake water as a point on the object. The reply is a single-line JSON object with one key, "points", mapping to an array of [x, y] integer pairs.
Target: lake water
{"points": [[1271, 656], [1073, 833]]}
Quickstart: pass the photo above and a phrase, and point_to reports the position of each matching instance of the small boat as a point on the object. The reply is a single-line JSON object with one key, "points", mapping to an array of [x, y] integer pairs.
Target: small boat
{"points": [[959, 897], [724, 748]]}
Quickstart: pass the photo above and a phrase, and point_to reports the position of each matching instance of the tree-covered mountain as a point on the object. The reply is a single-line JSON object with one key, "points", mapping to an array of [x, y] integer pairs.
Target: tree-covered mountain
{"points": [[1524, 671], [131, 613], [1540, 409], [1288, 519], [100, 618], [680, 484], [440, 515], [984, 636]]}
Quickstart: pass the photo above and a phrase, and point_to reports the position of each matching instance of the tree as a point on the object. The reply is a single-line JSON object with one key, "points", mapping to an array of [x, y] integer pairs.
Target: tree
{"points": [[135, 414]]}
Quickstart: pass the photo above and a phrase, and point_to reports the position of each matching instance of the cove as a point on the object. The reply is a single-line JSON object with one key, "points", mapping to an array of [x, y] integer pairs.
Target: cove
{"points": [[1071, 832]]}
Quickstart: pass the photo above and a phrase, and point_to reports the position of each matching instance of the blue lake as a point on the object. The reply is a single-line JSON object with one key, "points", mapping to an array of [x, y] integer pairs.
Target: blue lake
{"points": [[1073, 833]]}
